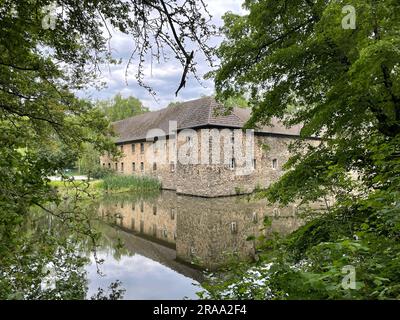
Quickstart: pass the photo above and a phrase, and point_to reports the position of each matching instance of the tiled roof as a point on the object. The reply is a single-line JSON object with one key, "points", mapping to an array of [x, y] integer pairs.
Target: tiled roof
{"points": [[191, 114]]}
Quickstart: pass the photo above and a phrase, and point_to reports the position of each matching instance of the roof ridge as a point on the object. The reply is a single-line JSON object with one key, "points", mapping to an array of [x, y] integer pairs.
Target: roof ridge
{"points": [[191, 114], [185, 104]]}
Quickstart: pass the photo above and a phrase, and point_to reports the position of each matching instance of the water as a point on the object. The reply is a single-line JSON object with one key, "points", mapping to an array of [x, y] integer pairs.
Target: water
{"points": [[167, 238]]}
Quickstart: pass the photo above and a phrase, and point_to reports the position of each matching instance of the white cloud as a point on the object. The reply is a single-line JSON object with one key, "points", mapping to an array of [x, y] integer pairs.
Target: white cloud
{"points": [[164, 78], [142, 278]]}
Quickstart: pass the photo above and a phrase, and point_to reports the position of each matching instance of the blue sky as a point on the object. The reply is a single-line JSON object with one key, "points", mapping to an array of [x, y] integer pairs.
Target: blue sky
{"points": [[164, 78]]}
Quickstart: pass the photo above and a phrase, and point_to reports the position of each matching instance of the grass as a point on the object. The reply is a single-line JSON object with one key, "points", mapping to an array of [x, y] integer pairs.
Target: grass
{"points": [[81, 187], [108, 185], [122, 183]]}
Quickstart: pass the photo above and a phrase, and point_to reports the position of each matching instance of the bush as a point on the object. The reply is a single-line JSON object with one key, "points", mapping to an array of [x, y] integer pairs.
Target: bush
{"points": [[99, 172]]}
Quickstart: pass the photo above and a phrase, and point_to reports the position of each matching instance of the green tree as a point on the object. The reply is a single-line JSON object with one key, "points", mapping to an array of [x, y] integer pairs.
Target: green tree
{"points": [[238, 101], [119, 108], [45, 56], [173, 104], [299, 62]]}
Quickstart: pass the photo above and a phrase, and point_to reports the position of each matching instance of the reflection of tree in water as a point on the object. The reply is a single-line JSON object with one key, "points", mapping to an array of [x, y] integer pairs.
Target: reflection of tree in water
{"points": [[55, 248], [49, 257]]}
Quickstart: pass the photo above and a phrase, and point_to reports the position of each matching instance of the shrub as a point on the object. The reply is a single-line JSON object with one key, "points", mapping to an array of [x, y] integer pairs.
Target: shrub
{"points": [[99, 172]]}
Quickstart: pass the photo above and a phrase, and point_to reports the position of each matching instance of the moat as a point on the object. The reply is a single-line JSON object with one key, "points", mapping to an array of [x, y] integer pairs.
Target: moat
{"points": [[157, 245]]}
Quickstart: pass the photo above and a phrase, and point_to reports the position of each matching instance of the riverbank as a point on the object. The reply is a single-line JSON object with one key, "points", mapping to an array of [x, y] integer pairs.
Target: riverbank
{"points": [[108, 185]]}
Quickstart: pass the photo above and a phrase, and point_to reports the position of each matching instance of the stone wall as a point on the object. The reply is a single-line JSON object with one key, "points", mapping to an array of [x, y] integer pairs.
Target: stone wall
{"points": [[205, 180], [216, 180], [140, 162]]}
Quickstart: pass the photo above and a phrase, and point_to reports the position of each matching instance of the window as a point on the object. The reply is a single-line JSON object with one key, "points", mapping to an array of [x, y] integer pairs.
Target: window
{"points": [[234, 227], [133, 147], [116, 166], [133, 224], [189, 140], [122, 167], [141, 147], [142, 166], [122, 205], [172, 166], [109, 165], [104, 165], [154, 166], [172, 214], [122, 148], [133, 166], [141, 206], [154, 210], [155, 145], [275, 164], [254, 164], [232, 164], [133, 206], [189, 143]]}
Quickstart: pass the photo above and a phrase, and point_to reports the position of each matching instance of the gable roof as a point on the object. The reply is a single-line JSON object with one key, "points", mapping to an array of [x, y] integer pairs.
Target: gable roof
{"points": [[203, 112]]}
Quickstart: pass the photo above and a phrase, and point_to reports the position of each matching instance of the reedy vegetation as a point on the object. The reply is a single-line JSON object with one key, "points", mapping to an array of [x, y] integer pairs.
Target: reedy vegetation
{"points": [[129, 183]]}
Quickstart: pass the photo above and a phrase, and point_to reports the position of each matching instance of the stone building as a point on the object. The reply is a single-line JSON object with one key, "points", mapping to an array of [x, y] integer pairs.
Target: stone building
{"points": [[197, 148]]}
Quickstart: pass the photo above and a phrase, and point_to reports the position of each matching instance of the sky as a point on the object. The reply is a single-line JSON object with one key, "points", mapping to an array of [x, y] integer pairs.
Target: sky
{"points": [[163, 78]]}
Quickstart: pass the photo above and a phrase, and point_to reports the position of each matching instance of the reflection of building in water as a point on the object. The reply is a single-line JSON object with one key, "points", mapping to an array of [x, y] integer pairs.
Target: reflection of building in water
{"points": [[155, 217], [209, 229], [201, 230]]}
